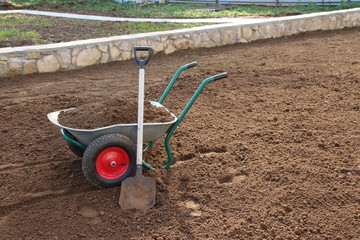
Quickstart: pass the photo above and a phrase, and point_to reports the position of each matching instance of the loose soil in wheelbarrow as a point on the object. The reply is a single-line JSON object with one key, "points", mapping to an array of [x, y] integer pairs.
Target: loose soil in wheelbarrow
{"points": [[271, 152], [110, 112]]}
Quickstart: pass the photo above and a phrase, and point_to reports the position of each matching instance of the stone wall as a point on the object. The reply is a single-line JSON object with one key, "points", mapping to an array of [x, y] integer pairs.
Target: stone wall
{"points": [[78, 54]]}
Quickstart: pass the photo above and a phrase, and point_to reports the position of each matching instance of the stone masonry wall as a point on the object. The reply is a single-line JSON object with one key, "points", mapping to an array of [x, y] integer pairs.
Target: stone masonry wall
{"points": [[78, 54]]}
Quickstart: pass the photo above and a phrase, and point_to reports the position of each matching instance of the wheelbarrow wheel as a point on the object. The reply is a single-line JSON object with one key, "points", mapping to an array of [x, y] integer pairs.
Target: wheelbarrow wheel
{"points": [[108, 160]]}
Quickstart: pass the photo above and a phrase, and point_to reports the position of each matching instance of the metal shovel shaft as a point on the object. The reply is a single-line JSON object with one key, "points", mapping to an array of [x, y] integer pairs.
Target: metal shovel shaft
{"points": [[140, 125]]}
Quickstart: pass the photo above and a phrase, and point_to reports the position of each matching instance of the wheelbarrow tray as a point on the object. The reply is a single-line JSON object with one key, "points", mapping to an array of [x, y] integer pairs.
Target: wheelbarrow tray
{"points": [[152, 131]]}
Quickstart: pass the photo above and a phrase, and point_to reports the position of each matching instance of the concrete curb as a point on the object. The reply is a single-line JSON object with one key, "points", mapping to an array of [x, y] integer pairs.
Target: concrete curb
{"points": [[78, 54]]}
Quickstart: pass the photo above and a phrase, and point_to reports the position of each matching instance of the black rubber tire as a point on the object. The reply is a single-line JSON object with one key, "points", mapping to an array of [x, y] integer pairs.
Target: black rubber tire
{"points": [[75, 149], [96, 147]]}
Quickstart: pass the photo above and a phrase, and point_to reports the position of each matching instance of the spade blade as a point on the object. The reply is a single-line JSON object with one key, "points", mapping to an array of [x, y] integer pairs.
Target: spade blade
{"points": [[137, 192]]}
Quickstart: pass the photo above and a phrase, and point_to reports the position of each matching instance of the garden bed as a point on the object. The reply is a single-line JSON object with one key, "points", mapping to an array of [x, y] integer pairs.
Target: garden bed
{"points": [[271, 152], [24, 30]]}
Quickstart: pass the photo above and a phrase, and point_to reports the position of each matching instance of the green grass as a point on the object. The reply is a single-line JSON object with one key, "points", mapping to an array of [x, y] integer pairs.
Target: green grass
{"points": [[133, 27], [136, 27], [16, 19], [123, 28], [177, 10], [6, 35], [10, 28]]}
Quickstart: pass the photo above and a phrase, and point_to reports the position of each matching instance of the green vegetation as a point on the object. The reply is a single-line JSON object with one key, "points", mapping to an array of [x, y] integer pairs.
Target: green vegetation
{"points": [[10, 32], [123, 28], [133, 27], [13, 33], [21, 29], [18, 19], [175, 10]]}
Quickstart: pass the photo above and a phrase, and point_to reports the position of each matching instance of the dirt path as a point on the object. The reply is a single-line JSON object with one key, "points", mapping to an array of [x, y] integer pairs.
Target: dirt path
{"points": [[272, 152]]}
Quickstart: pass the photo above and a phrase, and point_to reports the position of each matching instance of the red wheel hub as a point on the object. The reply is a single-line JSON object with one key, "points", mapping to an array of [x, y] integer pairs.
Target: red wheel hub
{"points": [[112, 163]]}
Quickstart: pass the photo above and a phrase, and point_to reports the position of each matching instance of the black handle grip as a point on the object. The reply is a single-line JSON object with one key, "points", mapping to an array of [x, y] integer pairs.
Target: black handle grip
{"points": [[143, 62], [221, 75], [193, 64]]}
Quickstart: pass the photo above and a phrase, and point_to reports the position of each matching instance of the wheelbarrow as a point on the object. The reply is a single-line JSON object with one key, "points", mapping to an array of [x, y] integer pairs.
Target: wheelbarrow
{"points": [[109, 153]]}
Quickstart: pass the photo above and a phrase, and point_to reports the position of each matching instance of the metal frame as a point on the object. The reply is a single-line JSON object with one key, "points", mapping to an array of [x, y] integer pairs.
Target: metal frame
{"points": [[68, 137]]}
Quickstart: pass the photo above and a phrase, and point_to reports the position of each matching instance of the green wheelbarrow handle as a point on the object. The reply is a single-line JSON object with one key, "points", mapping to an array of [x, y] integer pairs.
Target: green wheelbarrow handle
{"points": [[184, 112], [181, 117]]}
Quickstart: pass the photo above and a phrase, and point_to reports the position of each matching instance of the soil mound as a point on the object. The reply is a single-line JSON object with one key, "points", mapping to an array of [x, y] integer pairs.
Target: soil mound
{"points": [[110, 112]]}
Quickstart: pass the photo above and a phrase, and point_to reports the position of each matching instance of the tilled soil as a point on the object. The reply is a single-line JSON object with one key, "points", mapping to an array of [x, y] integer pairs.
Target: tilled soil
{"points": [[271, 152]]}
